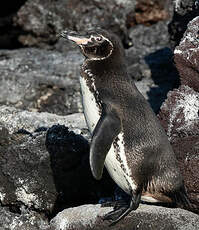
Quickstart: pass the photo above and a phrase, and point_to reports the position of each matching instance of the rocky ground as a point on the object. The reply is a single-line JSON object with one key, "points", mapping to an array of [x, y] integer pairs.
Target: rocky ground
{"points": [[45, 179]]}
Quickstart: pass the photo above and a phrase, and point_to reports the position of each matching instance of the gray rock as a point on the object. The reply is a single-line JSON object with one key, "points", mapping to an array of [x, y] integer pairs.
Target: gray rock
{"points": [[14, 119], [39, 80], [44, 19], [48, 81], [148, 39], [44, 164], [26, 173], [182, 7], [146, 217], [27, 220]]}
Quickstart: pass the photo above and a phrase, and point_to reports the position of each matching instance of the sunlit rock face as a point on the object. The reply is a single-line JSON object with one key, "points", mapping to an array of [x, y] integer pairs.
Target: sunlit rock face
{"points": [[186, 56]]}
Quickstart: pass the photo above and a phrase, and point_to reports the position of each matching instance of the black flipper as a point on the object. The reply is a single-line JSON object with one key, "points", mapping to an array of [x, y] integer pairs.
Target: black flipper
{"points": [[106, 130]]}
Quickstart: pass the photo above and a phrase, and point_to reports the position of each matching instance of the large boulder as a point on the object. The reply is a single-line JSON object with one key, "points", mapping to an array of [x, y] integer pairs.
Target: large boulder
{"points": [[26, 168], [146, 217], [179, 117], [187, 56], [44, 165]]}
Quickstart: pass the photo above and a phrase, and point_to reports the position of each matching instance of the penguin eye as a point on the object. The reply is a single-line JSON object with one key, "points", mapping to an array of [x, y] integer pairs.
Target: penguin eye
{"points": [[98, 39]]}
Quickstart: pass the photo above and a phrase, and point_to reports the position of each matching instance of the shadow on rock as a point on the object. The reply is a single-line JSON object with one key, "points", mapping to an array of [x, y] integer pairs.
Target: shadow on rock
{"points": [[69, 156], [164, 75]]}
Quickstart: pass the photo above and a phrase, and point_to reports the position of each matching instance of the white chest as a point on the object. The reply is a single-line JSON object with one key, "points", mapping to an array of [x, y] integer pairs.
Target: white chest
{"points": [[91, 109], [118, 169]]}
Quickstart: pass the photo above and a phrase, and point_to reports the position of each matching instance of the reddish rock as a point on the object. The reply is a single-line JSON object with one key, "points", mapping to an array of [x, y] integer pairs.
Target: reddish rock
{"points": [[187, 56], [179, 113], [148, 12], [179, 116], [187, 152]]}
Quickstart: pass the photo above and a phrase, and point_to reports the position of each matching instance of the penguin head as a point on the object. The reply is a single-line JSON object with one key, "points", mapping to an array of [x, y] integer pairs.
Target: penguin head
{"points": [[95, 44]]}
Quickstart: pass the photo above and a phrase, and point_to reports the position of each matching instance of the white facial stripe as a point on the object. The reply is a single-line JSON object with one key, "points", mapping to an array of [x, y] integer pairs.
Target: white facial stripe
{"points": [[102, 58], [79, 41]]}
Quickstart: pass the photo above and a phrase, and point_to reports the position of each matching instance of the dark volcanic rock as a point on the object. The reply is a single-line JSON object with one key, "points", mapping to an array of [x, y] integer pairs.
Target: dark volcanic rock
{"points": [[179, 116], [187, 56], [26, 220], [184, 12], [43, 171], [69, 162], [179, 113], [44, 19], [9, 32], [146, 217], [39, 80], [25, 170], [48, 81], [25, 173]]}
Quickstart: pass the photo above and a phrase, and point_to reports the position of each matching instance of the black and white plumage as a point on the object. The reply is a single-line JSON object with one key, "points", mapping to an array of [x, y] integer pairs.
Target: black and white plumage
{"points": [[126, 135]]}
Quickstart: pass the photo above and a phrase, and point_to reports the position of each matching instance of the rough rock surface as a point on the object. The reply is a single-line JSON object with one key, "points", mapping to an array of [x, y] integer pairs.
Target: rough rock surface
{"points": [[145, 217], [187, 56], [44, 19], [48, 81], [179, 113], [179, 116], [39, 80], [25, 173], [45, 172], [184, 12], [37, 23], [15, 119], [26, 220]]}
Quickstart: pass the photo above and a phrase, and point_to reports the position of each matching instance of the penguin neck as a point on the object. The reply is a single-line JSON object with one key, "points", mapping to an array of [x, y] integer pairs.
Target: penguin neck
{"points": [[101, 68]]}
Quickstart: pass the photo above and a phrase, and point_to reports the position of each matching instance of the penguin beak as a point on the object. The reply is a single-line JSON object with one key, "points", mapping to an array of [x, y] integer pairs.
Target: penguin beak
{"points": [[73, 36]]}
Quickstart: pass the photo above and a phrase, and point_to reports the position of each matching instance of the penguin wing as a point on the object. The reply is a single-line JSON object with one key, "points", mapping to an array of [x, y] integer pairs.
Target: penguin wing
{"points": [[106, 130]]}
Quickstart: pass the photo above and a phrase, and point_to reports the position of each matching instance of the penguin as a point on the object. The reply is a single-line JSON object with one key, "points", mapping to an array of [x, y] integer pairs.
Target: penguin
{"points": [[127, 137]]}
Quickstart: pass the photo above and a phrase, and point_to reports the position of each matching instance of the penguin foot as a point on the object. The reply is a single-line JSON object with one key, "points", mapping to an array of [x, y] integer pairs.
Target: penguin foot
{"points": [[116, 215], [122, 209]]}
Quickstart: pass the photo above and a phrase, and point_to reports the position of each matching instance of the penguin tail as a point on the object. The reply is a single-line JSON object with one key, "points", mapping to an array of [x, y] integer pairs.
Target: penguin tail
{"points": [[181, 200]]}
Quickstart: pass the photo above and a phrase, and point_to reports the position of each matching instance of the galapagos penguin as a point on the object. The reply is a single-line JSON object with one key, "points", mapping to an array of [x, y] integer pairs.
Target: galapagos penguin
{"points": [[126, 135]]}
